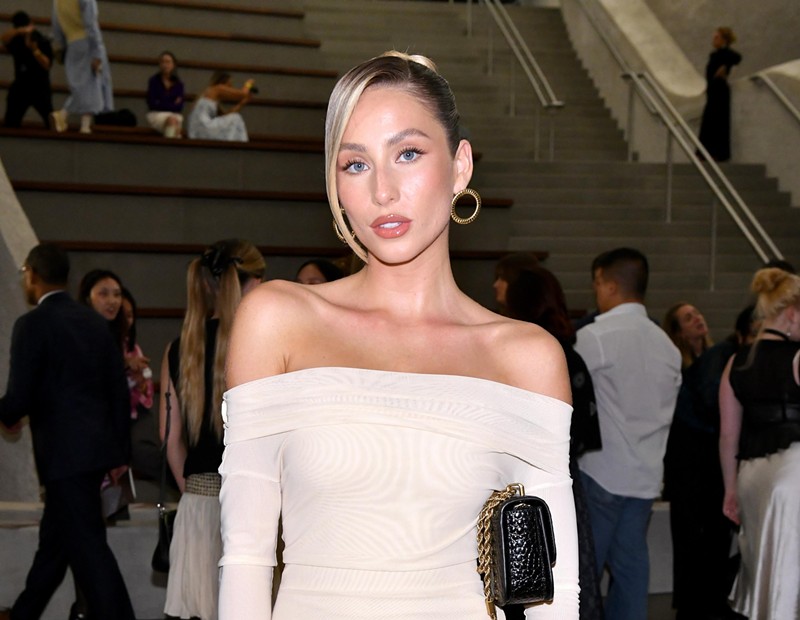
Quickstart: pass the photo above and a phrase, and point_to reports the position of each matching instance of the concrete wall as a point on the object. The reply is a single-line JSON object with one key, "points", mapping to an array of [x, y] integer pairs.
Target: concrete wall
{"points": [[764, 30], [762, 130], [18, 481], [638, 36]]}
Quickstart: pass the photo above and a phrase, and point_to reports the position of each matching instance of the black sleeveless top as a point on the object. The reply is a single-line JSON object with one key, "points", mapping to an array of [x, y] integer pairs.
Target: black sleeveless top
{"points": [[206, 455], [769, 396]]}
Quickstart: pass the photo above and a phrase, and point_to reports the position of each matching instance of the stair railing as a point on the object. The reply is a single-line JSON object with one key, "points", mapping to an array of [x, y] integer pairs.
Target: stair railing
{"points": [[656, 101], [548, 100], [763, 78]]}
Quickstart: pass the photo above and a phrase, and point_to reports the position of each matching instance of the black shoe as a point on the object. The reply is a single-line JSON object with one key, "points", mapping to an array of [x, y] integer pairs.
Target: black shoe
{"points": [[77, 614]]}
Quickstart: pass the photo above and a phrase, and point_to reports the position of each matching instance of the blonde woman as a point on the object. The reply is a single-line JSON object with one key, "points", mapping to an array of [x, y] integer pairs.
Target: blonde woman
{"points": [[209, 120], [191, 390], [715, 126], [760, 452], [376, 414]]}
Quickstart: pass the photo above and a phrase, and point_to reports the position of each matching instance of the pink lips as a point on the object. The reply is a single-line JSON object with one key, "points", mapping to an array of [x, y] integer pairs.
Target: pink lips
{"points": [[391, 226]]}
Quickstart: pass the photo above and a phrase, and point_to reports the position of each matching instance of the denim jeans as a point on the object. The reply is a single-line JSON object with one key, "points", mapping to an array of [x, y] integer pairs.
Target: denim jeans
{"points": [[619, 527]]}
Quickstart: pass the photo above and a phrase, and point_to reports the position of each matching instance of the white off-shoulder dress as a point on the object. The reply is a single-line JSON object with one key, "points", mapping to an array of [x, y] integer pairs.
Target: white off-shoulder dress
{"points": [[379, 478]]}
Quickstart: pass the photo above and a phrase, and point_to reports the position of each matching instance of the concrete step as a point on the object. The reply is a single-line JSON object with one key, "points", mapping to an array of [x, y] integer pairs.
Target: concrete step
{"points": [[135, 76], [130, 43], [177, 16], [644, 229], [179, 163], [626, 195], [654, 180], [599, 213]]}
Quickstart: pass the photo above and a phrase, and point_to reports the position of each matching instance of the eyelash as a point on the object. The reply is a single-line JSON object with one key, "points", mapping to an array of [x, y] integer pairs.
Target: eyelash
{"points": [[409, 149], [350, 162]]}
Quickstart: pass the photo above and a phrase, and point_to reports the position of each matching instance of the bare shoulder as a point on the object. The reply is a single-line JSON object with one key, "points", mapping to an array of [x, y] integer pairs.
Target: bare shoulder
{"points": [[532, 359], [268, 321]]}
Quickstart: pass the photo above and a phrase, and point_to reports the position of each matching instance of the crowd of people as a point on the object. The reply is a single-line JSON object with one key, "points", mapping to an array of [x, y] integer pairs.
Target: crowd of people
{"points": [[77, 42], [362, 419]]}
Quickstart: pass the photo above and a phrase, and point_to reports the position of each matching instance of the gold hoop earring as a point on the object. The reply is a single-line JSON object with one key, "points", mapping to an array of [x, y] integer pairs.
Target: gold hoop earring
{"points": [[339, 232], [465, 220]]}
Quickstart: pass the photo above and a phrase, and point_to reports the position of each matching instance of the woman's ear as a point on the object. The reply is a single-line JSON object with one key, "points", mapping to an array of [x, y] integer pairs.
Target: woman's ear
{"points": [[463, 166]]}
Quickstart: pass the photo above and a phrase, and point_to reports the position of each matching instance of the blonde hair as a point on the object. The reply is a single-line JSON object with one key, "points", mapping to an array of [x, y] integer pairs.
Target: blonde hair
{"points": [[672, 326], [777, 290], [213, 286], [727, 34], [414, 73]]}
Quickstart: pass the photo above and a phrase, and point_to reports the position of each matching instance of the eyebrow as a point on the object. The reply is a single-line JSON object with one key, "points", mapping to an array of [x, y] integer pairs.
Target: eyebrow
{"points": [[392, 141]]}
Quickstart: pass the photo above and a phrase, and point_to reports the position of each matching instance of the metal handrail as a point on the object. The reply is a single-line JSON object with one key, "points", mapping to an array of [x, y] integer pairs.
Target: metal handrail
{"points": [[536, 77], [717, 171], [552, 101], [658, 103], [790, 107]]}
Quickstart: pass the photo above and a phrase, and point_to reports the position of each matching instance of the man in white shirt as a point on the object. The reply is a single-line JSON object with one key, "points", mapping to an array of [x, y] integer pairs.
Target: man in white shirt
{"points": [[636, 371]]}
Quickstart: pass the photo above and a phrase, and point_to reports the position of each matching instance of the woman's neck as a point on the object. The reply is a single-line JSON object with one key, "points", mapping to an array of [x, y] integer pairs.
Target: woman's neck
{"points": [[697, 345]]}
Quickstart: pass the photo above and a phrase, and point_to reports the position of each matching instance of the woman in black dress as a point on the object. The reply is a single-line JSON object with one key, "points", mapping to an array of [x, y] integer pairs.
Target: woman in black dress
{"points": [[715, 128]]}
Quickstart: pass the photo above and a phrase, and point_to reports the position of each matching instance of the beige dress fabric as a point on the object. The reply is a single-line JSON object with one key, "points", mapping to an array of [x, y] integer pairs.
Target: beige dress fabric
{"points": [[379, 478]]}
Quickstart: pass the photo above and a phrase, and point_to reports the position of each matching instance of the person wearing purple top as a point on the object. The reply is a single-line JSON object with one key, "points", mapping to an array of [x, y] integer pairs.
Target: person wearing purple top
{"points": [[165, 98]]}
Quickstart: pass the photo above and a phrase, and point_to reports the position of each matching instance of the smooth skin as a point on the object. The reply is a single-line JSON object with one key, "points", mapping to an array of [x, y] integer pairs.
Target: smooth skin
{"points": [[394, 166]]}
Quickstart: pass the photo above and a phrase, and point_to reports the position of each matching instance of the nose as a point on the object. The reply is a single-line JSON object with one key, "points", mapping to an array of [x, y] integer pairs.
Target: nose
{"points": [[385, 187]]}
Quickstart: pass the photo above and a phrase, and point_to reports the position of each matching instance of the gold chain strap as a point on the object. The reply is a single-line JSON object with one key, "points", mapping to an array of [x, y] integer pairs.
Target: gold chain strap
{"points": [[485, 541]]}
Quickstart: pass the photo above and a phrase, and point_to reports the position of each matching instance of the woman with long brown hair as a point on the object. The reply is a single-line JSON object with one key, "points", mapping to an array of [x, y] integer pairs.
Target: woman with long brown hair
{"points": [[192, 382]]}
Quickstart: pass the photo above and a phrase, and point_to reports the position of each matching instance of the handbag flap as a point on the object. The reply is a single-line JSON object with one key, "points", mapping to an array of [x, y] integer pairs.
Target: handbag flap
{"points": [[525, 551]]}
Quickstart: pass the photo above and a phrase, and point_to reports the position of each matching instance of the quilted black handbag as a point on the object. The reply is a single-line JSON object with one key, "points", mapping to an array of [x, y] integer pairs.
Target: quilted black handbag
{"points": [[516, 549]]}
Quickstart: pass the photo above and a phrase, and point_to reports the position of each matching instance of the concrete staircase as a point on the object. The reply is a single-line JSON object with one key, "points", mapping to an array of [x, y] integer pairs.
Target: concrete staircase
{"points": [[141, 205], [590, 198]]}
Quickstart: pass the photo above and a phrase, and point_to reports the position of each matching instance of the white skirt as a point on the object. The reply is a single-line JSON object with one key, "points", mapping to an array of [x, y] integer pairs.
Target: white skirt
{"points": [[768, 584], [194, 554], [158, 121]]}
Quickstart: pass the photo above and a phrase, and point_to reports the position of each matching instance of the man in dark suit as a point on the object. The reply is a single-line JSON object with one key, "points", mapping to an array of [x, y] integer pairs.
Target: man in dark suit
{"points": [[66, 374]]}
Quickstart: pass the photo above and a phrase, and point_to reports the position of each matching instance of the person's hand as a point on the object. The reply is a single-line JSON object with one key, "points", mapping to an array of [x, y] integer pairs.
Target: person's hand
{"points": [[97, 65], [137, 363], [730, 506]]}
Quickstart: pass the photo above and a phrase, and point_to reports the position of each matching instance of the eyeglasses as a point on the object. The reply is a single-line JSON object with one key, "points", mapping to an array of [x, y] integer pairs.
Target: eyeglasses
{"points": [[23, 269]]}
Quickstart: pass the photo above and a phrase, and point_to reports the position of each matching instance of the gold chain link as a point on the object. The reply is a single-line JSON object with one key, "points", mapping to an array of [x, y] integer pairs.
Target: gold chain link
{"points": [[485, 541]]}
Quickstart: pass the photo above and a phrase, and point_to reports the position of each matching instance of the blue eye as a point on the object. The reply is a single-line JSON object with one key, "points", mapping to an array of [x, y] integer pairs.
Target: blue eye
{"points": [[409, 154], [355, 166]]}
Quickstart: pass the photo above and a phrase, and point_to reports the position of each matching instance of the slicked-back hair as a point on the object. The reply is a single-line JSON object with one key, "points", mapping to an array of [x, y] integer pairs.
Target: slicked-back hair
{"points": [[414, 74]]}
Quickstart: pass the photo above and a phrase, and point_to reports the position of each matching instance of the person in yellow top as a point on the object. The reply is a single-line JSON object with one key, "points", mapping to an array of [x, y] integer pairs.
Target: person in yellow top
{"points": [[77, 35]]}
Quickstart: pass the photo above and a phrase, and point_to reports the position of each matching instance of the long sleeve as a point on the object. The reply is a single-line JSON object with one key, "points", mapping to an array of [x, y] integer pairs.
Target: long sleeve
{"points": [[93, 35], [250, 508], [559, 498], [20, 388]]}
